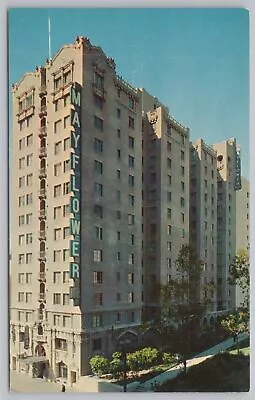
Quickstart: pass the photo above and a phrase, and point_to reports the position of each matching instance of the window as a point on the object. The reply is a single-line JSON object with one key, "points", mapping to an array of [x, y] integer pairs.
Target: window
{"points": [[67, 165], [182, 186], [65, 276], [131, 278], [118, 255], [118, 214], [29, 140], [67, 143], [169, 229], [119, 154], [57, 169], [131, 103], [29, 179], [131, 219], [57, 234], [131, 297], [21, 220], [118, 174], [182, 170], [65, 254], [169, 246], [29, 198], [29, 238], [98, 167], [98, 101], [97, 255], [66, 232], [21, 181], [57, 82], [21, 240], [57, 126], [98, 299], [57, 148], [169, 196], [118, 235], [97, 321], [182, 217], [99, 232], [131, 122], [21, 279], [57, 105], [131, 259], [66, 299], [131, 200], [28, 258], [98, 189], [57, 190], [22, 161], [169, 213], [97, 277], [28, 297], [56, 277], [131, 161], [66, 210], [56, 298], [97, 344], [131, 181], [169, 178], [118, 195], [118, 113], [22, 143], [98, 123], [66, 324], [21, 297], [29, 159], [98, 146], [57, 212], [168, 262], [182, 201], [56, 321], [67, 77], [66, 121], [29, 218], [182, 155], [131, 142], [169, 163], [98, 81], [98, 211], [66, 188]]}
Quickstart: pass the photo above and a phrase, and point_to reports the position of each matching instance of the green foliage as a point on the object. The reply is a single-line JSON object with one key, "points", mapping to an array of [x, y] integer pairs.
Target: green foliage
{"points": [[236, 323], [142, 359], [99, 365], [168, 358], [239, 274]]}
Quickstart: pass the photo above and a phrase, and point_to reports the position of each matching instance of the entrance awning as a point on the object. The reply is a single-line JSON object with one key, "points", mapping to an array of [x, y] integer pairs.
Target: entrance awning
{"points": [[32, 360]]}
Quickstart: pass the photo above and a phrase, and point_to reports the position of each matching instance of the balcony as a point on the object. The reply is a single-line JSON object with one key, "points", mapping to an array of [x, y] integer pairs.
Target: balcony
{"points": [[42, 256], [41, 338], [42, 132], [42, 297], [42, 235], [43, 90], [42, 276], [43, 111], [99, 91], [42, 173], [40, 316], [42, 152], [42, 214], [42, 193]]}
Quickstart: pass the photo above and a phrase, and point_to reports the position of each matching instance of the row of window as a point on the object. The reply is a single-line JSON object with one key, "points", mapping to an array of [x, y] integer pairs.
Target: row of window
{"points": [[25, 239], [66, 189], [26, 141], [98, 277], [25, 278], [25, 219], [25, 258], [25, 199], [24, 297], [61, 233], [58, 168], [25, 161], [58, 126], [25, 180], [25, 123], [61, 299], [62, 102]]}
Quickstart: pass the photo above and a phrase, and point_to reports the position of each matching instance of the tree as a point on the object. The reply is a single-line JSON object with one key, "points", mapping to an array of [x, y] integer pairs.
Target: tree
{"points": [[99, 365], [236, 323], [181, 302], [239, 275]]}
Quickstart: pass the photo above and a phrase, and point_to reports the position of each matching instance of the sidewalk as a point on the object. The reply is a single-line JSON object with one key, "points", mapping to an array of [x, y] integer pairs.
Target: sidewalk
{"points": [[174, 371], [23, 383]]}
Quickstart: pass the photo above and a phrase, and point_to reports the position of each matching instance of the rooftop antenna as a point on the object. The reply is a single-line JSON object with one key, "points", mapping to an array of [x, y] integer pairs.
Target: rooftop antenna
{"points": [[49, 28]]}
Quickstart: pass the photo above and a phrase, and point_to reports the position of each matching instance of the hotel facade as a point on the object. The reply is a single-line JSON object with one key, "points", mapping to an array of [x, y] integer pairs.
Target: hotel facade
{"points": [[106, 187]]}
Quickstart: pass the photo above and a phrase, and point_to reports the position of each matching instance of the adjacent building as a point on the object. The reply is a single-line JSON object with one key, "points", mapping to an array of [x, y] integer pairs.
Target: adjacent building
{"points": [[165, 197]]}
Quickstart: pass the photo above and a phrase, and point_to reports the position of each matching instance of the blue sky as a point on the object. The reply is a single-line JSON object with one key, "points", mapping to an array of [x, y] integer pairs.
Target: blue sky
{"points": [[194, 60]]}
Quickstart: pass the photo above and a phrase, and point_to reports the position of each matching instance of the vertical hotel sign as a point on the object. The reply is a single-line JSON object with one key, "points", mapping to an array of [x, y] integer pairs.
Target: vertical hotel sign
{"points": [[238, 180], [75, 201]]}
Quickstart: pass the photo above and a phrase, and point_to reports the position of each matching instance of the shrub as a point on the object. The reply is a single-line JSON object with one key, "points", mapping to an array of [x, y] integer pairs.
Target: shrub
{"points": [[99, 365]]}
